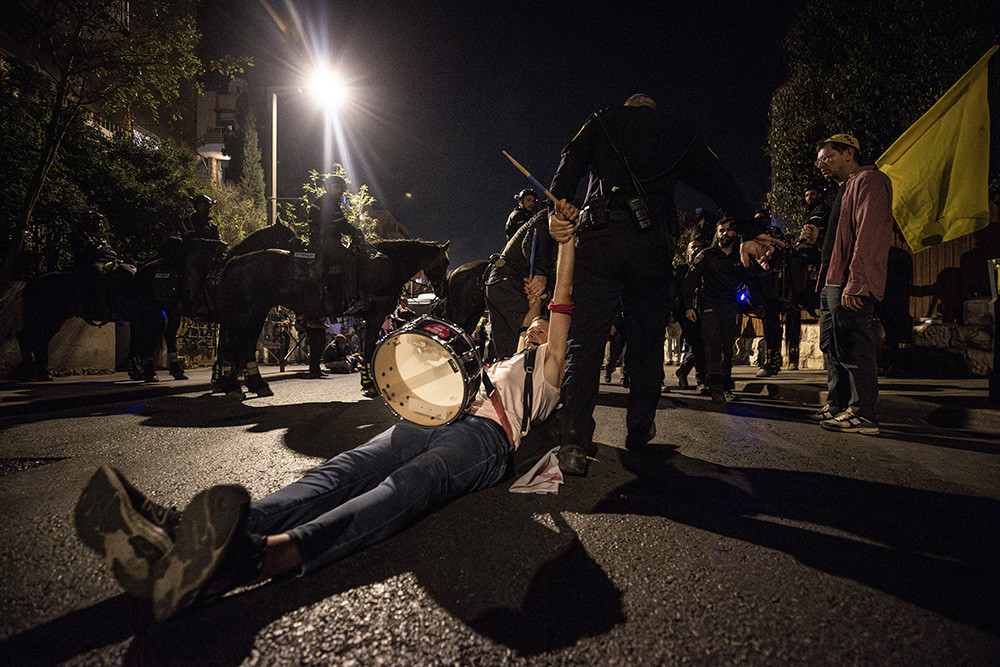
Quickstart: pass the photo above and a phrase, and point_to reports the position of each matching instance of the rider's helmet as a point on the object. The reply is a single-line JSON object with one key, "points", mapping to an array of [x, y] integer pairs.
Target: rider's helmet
{"points": [[524, 193]]}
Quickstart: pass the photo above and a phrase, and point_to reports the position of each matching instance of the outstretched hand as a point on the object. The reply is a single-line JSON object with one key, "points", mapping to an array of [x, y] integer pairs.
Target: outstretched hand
{"points": [[562, 221], [760, 249]]}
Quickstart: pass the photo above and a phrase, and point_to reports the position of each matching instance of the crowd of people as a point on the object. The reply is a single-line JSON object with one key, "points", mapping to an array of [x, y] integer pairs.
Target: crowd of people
{"points": [[603, 264]]}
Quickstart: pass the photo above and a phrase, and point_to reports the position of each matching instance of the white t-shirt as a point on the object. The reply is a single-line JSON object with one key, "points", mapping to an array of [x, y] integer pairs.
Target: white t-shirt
{"points": [[508, 378]]}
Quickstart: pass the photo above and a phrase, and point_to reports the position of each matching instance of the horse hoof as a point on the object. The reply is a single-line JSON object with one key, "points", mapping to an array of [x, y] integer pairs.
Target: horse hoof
{"points": [[369, 392], [150, 379]]}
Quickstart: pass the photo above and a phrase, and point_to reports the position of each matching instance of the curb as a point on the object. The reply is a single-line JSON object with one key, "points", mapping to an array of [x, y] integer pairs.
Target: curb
{"points": [[117, 393]]}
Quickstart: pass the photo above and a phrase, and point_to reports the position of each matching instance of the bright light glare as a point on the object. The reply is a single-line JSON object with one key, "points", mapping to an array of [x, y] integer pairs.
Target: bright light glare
{"points": [[329, 88]]}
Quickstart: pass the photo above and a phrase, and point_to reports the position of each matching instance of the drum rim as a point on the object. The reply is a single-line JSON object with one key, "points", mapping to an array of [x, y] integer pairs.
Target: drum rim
{"points": [[468, 395]]}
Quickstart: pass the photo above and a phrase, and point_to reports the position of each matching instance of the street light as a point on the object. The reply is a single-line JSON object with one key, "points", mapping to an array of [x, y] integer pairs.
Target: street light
{"points": [[324, 84]]}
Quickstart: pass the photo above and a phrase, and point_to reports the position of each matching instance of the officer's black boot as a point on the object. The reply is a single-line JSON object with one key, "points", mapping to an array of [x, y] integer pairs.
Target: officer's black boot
{"points": [[576, 453]]}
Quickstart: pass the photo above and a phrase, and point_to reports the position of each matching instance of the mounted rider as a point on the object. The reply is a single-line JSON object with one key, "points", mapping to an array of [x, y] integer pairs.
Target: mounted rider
{"points": [[327, 226], [189, 257], [199, 225], [95, 260]]}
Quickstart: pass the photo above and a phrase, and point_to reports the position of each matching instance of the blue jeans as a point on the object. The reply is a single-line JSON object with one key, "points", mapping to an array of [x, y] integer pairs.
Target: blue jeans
{"points": [[845, 337], [374, 491]]}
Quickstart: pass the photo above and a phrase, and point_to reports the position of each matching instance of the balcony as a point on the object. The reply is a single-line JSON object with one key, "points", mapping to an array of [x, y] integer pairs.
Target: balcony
{"points": [[211, 144]]}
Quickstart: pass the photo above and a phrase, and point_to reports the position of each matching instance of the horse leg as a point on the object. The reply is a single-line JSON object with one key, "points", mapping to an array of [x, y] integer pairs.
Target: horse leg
{"points": [[255, 382], [368, 386], [225, 379], [170, 338]]}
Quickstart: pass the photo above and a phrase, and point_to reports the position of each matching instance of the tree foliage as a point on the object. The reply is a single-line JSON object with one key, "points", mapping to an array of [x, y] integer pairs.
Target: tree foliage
{"points": [[243, 148], [871, 68], [104, 54], [294, 214], [142, 188]]}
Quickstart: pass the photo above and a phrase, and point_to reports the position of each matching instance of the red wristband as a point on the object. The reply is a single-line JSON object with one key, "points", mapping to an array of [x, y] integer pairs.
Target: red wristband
{"points": [[565, 308]]}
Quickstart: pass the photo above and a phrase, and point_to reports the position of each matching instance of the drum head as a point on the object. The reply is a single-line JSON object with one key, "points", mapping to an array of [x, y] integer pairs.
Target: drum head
{"points": [[419, 378]]}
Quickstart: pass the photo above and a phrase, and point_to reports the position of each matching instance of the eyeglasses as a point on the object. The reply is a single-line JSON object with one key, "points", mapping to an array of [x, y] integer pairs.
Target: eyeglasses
{"points": [[823, 159]]}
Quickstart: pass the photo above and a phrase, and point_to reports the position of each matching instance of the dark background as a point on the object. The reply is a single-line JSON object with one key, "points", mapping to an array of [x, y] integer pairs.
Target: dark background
{"points": [[439, 89]]}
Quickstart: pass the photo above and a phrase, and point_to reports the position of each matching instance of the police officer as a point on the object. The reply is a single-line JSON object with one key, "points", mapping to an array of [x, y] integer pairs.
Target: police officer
{"points": [[526, 200], [803, 270], [90, 250], [199, 224], [522, 269], [327, 224], [635, 154], [714, 276]]}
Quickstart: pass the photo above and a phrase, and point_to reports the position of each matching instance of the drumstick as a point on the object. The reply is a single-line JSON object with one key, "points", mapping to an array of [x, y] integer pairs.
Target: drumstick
{"points": [[530, 177]]}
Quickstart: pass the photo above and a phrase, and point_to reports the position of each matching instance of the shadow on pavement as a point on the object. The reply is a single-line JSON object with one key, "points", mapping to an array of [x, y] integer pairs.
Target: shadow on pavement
{"points": [[935, 550], [512, 569], [314, 429]]}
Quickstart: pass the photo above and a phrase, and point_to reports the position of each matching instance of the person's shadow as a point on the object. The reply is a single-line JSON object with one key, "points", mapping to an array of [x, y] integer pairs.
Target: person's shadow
{"points": [[936, 550]]}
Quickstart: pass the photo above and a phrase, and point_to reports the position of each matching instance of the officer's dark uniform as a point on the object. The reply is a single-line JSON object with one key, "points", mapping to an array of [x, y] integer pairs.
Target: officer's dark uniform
{"points": [[516, 220], [622, 261], [505, 297], [327, 223], [714, 277], [803, 270]]}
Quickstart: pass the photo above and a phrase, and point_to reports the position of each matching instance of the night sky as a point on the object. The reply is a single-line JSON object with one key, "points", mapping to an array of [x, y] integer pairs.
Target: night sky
{"points": [[439, 89]]}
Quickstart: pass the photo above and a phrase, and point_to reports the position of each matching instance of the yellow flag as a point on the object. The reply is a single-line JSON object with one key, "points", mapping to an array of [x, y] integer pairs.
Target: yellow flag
{"points": [[939, 166]]}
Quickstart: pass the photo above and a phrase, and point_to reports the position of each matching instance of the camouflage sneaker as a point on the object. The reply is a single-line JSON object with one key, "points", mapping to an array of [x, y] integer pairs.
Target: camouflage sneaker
{"points": [[208, 526], [127, 529]]}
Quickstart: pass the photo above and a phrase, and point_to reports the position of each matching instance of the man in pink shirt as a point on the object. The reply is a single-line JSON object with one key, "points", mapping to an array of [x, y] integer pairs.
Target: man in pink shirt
{"points": [[852, 278]]}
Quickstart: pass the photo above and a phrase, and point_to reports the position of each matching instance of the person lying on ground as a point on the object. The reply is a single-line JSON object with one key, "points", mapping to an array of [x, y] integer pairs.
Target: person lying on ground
{"points": [[222, 540]]}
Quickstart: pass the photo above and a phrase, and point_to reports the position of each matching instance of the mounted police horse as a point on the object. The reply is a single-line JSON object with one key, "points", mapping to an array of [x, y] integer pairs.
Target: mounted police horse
{"points": [[99, 297], [179, 284], [251, 285]]}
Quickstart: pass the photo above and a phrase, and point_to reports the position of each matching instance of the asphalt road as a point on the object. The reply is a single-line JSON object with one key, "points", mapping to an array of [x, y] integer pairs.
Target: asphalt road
{"points": [[742, 536]]}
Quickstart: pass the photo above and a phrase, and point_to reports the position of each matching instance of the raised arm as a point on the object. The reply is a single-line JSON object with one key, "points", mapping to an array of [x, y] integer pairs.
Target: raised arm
{"points": [[562, 296]]}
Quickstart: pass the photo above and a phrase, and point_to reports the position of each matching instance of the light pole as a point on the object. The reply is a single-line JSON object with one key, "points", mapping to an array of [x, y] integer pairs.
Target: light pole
{"points": [[325, 85], [272, 212]]}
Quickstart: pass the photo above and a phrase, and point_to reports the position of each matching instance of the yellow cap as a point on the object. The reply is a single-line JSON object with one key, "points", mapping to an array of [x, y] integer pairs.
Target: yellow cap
{"points": [[842, 139]]}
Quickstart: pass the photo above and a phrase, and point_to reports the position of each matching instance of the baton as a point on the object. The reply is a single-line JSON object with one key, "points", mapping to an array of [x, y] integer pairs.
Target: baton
{"points": [[530, 177]]}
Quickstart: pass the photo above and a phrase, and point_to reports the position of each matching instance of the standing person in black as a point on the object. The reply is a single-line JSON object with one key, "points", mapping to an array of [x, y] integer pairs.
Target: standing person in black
{"points": [[513, 277], [616, 345], [694, 346], [526, 200], [803, 271], [770, 281], [636, 154], [327, 225], [712, 281]]}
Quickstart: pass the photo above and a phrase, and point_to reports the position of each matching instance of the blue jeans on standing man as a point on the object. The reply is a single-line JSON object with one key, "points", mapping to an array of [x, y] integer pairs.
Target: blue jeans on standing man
{"points": [[368, 494], [845, 338]]}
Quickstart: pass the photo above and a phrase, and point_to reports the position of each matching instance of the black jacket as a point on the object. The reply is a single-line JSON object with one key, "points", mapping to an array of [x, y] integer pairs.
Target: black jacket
{"points": [[714, 276], [515, 260], [660, 151], [516, 220]]}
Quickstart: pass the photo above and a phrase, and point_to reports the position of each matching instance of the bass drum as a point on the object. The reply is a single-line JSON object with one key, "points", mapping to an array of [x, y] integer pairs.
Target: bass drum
{"points": [[428, 371]]}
